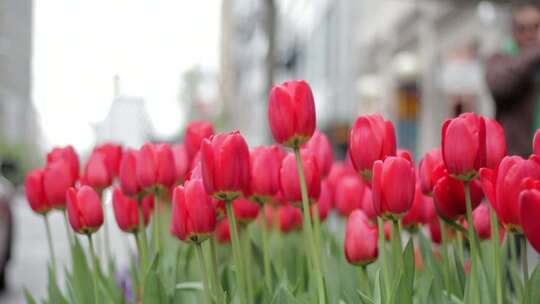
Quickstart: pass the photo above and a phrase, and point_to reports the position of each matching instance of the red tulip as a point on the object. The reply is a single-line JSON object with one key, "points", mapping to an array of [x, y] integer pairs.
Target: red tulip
{"points": [[96, 173], [35, 194], [393, 186], [349, 194], [482, 221], [126, 210], [430, 169], [320, 147], [223, 231], [530, 212], [181, 162], [417, 214], [290, 185], [128, 173], [495, 143], [536, 142], [434, 227], [245, 210], [265, 166], [324, 202], [68, 155], [112, 154], [449, 197], [196, 131], [225, 165], [338, 171], [367, 205], [290, 218], [84, 209], [291, 113], [270, 215], [193, 212], [404, 153], [464, 145], [372, 138], [503, 185], [147, 166], [56, 180], [360, 240], [166, 170]]}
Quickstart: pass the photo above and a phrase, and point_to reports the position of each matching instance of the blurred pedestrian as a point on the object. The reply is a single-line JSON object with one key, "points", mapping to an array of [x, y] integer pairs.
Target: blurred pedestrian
{"points": [[513, 77]]}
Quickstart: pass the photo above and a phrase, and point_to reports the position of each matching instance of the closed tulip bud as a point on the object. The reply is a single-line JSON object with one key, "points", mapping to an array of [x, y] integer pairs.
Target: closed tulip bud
{"points": [[495, 143], [193, 212], [324, 202], [84, 209], [360, 240], [503, 185], [434, 227], [338, 171], [349, 194], [68, 155], [291, 113], [166, 172], [389, 199], [35, 194], [290, 218], [225, 165], [320, 147], [290, 185], [449, 197], [404, 153], [195, 132], [181, 162], [245, 210], [430, 169], [113, 155], [126, 210], [147, 165], [56, 180], [482, 221], [464, 145], [416, 215], [372, 138], [95, 173], [223, 231], [128, 173], [268, 160], [367, 205], [536, 142], [530, 212]]}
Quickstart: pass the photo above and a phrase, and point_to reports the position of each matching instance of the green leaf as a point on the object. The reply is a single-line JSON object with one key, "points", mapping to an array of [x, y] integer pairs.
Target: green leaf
{"points": [[82, 282], [28, 297], [378, 288], [190, 286], [364, 298], [534, 282], [283, 295], [423, 287], [55, 295], [154, 292]]}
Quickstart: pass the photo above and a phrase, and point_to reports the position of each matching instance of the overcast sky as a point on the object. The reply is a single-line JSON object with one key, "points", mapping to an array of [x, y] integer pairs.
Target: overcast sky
{"points": [[79, 46]]}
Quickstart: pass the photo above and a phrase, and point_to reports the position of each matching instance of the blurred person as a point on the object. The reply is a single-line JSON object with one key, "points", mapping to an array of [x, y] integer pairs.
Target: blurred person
{"points": [[513, 77]]}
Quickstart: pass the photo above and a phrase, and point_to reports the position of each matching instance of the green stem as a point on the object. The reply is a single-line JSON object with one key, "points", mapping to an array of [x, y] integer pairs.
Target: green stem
{"points": [[524, 260], [50, 241], [214, 265], [446, 265], [240, 282], [266, 256], [96, 267], [200, 257], [364, 281], [309, 228], [246, 253], [460, 247], [382, 249], [497, 257], [396, 243], [157, 226], [472, 240], [143, 240], [68, 230], [513, 262]]}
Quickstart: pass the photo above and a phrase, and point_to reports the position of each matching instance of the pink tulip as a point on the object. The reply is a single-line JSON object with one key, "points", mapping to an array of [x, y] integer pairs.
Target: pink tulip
{"points": [[84, 209], [320, 147], [360, 240]]}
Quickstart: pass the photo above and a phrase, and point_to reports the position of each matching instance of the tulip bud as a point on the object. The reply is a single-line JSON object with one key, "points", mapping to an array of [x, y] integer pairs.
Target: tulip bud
{"points": [[360, 240], [482, 221], [181, 162], [464, 145], [416, 215], [267, 160], [193, 212], [503, 185], [530, 212], [495, 143], [245, 210], [290, 218], [95, 173], [324, 202], [349, 194], [56, 180], [367, 205], [291, 113], [128, 173], [290, 185], [223, 231], [196, 131], [68, 155], [166, 172], [388, 198], [404, 153], [112, 154], [338, 171], [84, 209], [225, 165], [449, 197], [372, 138], [126, 210], [147, 166], [35, 194], [270, 215], [430, 169], [320, 147]]}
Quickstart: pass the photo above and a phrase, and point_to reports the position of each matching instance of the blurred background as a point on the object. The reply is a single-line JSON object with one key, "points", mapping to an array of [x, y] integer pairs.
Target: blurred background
{"points": [[83, 72]]}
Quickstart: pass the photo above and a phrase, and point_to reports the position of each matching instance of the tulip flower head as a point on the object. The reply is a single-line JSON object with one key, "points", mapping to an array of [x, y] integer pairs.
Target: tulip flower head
{"points": [[225, 165], [290, 186], [35, 194], [324, 202], [290, 218], [96, 173], [223, 231], [112, 154], [195, 132], [126, 210], [529, 201], [84, 209], [181, 162], [265, 166], [155, 167], [449, 197], [320, 147], [57, 179], [430, 169], [372, 138], [128, 173], [464, 145], [482, 221], [349, 194], [360, 239], [495, 143], [417, 214], [390, 200], [245, 210], [68, 155], [291, 113]]}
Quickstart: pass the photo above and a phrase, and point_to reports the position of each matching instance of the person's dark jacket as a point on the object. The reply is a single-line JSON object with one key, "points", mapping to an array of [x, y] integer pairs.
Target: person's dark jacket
{"points": [[511, 79]]}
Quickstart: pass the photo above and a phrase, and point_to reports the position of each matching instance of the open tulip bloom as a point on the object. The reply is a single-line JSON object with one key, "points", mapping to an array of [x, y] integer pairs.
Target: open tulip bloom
{"points": [[267, 225]]}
